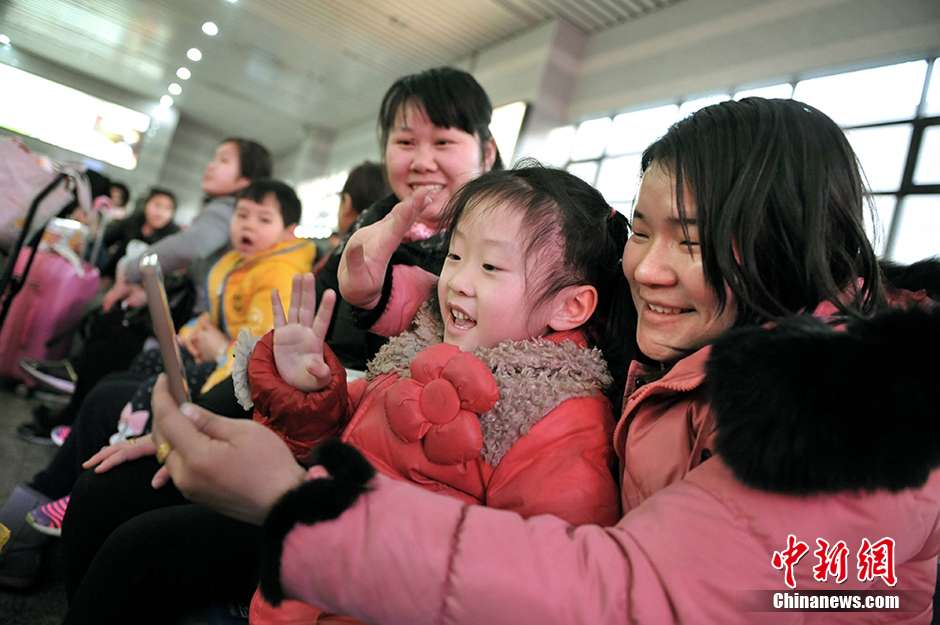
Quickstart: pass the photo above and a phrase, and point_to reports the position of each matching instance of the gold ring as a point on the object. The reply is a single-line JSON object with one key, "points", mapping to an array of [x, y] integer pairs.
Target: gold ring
{"points": [[163, 450], [133, 441]]}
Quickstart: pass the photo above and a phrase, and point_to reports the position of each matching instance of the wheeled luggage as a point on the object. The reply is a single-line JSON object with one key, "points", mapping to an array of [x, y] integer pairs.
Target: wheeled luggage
{"points": [[42, 291], [43, 317]]}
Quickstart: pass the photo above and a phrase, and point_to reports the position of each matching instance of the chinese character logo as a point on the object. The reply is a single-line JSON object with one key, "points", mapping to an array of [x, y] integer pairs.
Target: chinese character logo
{"points": [[874, 560], [877, 560], [788, 558], [832, 561]]}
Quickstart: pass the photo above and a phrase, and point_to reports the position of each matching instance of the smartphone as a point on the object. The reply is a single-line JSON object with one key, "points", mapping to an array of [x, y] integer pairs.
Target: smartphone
{"points": [[152, 278]]}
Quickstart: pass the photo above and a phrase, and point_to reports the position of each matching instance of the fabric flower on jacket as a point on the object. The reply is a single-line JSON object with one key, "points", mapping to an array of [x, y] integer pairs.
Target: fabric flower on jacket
{"points": [[440, 403]]}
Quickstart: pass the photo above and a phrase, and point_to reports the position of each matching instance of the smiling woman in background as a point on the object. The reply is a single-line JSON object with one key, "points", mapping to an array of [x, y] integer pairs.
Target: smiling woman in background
{"points": [[435, 135]]}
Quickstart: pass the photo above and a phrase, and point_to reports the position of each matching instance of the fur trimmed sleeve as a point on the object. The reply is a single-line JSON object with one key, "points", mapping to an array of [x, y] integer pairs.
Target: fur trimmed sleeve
{"points": [[244, 346], [302, 419], [328, 563]]}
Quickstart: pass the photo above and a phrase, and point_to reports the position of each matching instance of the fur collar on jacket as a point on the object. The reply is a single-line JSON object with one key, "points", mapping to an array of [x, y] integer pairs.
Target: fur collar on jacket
{"points": [[803, 409], [533, 377]]}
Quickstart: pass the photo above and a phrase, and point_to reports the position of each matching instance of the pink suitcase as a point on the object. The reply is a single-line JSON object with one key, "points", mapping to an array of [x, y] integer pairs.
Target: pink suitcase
{"points": [[47, 308]]}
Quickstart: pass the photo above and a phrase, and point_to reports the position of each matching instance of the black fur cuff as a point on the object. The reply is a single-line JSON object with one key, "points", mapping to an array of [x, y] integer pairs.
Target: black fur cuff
{"points": [[316, 500], [804, 409]]}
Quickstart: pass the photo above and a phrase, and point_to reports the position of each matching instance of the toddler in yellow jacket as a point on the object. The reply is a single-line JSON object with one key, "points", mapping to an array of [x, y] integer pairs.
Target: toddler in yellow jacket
{"points": [[265, 256]]}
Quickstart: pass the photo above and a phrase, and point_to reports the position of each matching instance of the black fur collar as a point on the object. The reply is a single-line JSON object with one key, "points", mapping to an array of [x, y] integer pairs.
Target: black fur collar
{"points": [[801, 408]]}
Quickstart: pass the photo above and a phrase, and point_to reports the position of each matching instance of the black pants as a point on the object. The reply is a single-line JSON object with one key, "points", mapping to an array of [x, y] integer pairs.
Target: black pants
{"points": [[111, 346], [135, 554], [94, 424], [100, 412]]}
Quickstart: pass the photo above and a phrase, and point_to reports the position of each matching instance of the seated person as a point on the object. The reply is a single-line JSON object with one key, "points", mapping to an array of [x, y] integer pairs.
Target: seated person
{"points": [[364, 186], [153, 223], [265, 257], [112, 345], [502, 448], [417, 113], [120, 198], [764, 407]]}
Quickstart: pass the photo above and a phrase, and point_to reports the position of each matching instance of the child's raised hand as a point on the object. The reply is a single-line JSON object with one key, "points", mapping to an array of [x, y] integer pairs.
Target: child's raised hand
{"points": [[209, 342], [299, 337], [362, 267]]}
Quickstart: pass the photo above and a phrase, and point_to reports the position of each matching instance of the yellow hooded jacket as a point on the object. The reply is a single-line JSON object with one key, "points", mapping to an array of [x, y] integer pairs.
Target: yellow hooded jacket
{"points": [[240, 292]]}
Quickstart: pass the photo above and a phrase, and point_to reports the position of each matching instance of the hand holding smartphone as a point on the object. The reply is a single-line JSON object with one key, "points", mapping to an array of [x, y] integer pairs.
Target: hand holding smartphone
{"points": [[152, 278]]}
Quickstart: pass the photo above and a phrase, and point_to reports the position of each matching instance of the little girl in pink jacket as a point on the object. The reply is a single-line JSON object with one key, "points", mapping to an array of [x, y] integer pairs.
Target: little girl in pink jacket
{"points": [[494, 397]]}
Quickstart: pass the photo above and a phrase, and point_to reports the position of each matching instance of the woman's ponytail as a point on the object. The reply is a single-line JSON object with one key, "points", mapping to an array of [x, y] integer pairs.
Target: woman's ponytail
{"points": [[614, 322]]}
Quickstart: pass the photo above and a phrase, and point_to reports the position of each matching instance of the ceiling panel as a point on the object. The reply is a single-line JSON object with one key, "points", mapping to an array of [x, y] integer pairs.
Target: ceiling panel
{"points": [[279, 66]]}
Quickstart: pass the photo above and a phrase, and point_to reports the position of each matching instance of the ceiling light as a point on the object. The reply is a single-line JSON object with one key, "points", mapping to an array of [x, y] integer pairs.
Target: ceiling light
{"points": [[175, 89], [210, 29], [4, 40], [166, 101], [194, 54], [233, 1], [183, 73]]}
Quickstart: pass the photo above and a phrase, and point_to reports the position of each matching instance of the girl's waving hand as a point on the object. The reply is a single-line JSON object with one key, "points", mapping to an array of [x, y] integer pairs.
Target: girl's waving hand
{"points": [[299, 337]]}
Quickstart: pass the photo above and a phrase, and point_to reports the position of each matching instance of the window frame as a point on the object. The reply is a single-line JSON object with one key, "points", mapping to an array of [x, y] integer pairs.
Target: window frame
{"points": [[907, 188]]}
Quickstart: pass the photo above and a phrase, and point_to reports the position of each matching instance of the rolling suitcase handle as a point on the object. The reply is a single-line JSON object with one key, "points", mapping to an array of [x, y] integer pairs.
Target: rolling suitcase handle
{"points": [[8, 286]]}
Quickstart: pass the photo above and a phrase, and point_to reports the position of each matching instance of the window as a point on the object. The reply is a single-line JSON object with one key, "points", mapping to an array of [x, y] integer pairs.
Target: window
{"points": [[590, 139], [632, 132], [320, 200], [690, 106], [882, 151], [68, 118], [873, 95], [891, 116], [784, 91], [917, 231], [928, 160]]}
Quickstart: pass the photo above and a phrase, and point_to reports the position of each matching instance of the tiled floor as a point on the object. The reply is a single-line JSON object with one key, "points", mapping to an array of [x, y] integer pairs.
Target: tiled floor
{"points": [[45, 604]]}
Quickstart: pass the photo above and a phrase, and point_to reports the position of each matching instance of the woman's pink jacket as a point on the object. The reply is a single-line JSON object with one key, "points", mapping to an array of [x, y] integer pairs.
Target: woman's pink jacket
{"points": [[815, 434]]}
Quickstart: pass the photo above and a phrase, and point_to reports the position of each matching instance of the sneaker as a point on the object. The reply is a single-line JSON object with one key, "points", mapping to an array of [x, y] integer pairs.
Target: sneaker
{"points": [[39, 429], [33, 432], [59, 434], [51, 399], [47, 519], [54, 374]]}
